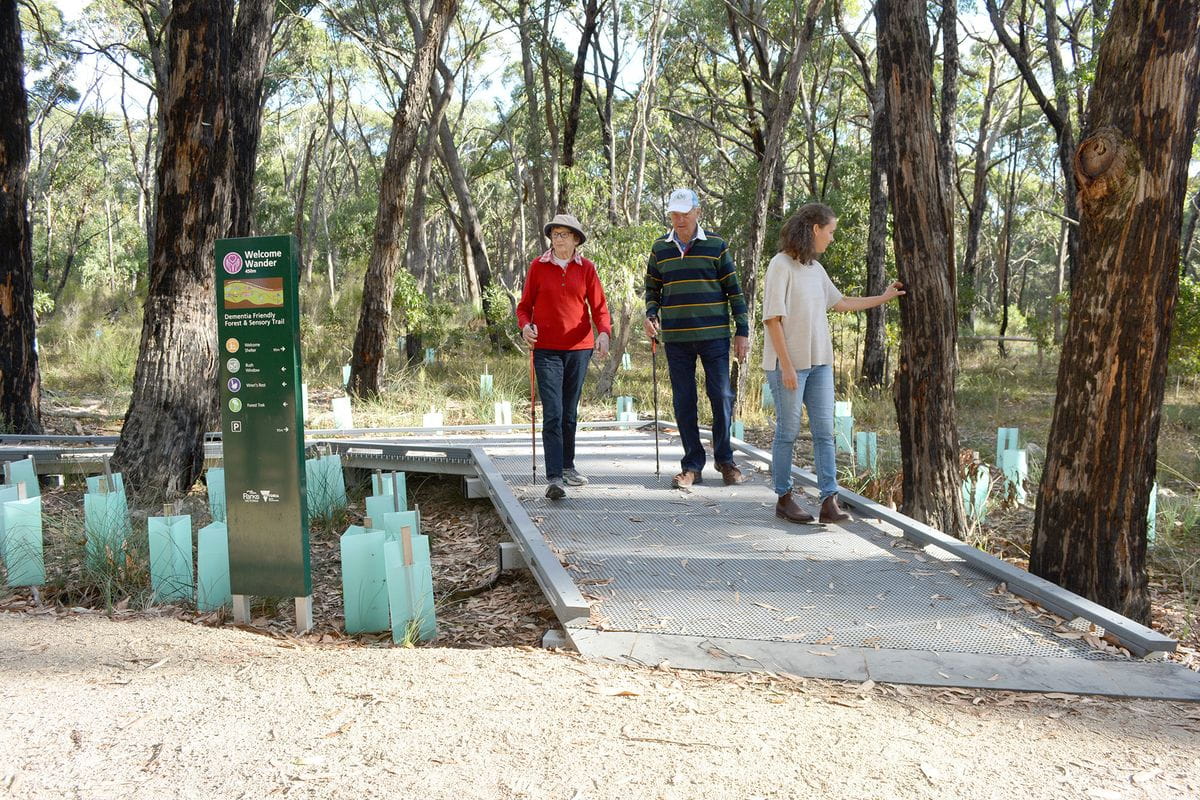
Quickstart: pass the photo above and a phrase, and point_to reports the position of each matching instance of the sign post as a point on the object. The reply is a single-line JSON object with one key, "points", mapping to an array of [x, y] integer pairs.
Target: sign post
{"points": [[258, 331]]}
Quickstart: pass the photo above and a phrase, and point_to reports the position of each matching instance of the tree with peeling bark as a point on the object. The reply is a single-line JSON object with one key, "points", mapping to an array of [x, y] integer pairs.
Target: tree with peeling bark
{"points": [[252, 45], [1131, 168], [766, 187], [174, 401], [20, 386], [924, 389], [367, 362]]}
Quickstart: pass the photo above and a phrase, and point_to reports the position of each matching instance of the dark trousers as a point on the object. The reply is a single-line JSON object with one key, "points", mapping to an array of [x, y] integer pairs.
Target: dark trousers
{"points": [[560, 376], [681, 362]]}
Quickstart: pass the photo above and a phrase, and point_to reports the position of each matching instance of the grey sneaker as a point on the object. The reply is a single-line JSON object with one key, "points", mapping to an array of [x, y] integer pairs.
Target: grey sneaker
{"points": [[571, 477], [555, 490]]}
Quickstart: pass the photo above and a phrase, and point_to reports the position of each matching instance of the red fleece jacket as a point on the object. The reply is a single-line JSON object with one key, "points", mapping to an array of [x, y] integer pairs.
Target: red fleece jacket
{"points": [[557, 301]]}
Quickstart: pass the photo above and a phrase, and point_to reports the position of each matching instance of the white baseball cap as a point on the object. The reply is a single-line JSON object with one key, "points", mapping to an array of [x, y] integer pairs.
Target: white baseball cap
{"points": [[682, 201]]}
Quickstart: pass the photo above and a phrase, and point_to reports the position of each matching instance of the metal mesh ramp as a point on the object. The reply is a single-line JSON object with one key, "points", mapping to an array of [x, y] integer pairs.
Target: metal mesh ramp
{"points": [[716, 562], [713, 573]]}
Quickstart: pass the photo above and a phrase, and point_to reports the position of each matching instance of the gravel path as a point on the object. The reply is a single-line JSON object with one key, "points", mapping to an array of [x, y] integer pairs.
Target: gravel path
{"points": [[94, 707]]}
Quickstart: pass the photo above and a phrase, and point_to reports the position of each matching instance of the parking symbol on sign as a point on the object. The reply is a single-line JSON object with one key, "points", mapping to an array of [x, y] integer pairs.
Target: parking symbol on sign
{"points": [[235, 426]]}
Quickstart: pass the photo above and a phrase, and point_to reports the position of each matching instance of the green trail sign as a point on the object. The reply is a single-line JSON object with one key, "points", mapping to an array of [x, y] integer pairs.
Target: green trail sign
{"points": [[262, 428]]}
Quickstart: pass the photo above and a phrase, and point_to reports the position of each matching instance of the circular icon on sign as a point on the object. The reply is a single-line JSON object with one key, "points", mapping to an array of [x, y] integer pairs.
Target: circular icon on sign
{"points": [[232, 345], [232, 263], [233, 365], [234, 384], [235, 405]]}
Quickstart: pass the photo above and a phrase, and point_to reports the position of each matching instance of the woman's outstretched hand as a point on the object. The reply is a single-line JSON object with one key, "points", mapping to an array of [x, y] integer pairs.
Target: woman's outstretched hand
{"points": [[893, 291]]}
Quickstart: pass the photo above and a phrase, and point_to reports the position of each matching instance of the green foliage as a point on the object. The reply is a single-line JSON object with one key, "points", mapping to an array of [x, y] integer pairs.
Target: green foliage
{"points": [[90, 345], [1185, 336]]}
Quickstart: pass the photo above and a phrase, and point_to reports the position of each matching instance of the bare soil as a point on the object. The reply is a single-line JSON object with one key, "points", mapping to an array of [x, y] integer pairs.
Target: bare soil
{"points": [[99, 707]]}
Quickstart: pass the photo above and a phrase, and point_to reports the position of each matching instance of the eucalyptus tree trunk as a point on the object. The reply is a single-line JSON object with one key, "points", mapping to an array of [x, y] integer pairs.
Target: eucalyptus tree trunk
{"points": [[1090, 526], [468, 213], [368, 358], [20, 383], [526, 25], [591, 11], [875, 337], [924, 388], [174, 399], [949, 97], [252, 46], [978, 204], [641, 124], [785, 101], [620, 345]]}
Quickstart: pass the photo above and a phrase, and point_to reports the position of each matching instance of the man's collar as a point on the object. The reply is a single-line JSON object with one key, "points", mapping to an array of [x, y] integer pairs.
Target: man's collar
{"points": [[548, 257], [671, 237]]}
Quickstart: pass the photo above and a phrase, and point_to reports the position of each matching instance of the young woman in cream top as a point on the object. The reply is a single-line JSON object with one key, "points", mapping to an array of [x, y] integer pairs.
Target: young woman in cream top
{"points": [[798, 354]]}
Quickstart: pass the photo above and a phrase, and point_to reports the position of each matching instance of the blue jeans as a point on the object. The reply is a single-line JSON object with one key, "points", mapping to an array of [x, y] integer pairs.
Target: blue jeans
{"points": [[814, 387], [560, 376], [681, 363]]}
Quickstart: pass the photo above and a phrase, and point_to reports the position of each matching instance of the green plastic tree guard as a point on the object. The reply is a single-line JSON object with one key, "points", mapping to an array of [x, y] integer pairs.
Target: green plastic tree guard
{"points": [[1006, 439], [975, 494], [315, 490], [170, 541], [1151, 516], [393, 522], [1016, 470], [335, 480], [343, 413], [22, 552], [106, 527], [24, 471], [843, 426], [410, 589], [325, 485], [96, 483], [866, 450], [215, 479], [7, 494], [388, 482], [212, 567], [364, 580]]}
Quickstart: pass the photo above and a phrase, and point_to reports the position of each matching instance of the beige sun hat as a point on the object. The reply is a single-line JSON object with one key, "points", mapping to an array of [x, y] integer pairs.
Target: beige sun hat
{"points": [[565, 221]]}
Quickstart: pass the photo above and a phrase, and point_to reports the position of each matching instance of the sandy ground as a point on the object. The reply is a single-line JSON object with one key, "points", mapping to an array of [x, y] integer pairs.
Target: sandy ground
{"points": [[94, 707]]}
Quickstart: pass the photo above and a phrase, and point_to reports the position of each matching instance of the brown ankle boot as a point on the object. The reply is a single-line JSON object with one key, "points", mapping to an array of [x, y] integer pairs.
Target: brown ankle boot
{"points": [[831, 512], [787, 508]]}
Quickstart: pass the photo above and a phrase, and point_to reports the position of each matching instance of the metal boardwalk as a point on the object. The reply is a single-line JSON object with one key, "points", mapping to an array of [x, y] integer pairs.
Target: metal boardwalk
{"points": [[709, 578]]}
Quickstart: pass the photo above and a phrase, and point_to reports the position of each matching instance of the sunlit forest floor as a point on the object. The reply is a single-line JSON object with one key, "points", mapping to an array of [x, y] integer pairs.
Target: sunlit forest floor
{"points": [[86, 375]]}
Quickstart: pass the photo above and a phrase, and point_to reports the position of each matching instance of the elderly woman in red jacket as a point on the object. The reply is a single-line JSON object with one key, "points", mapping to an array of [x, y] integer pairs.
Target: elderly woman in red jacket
{"points": [[561, 302]]}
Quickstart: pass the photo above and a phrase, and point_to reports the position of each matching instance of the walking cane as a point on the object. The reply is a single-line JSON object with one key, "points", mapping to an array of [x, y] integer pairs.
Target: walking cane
{"points": [[735, 380], [532, 417], [654, 380]]}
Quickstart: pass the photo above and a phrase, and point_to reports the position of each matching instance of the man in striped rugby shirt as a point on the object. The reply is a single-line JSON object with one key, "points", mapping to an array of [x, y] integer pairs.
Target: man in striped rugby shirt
{"points": [[692, 289]]}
